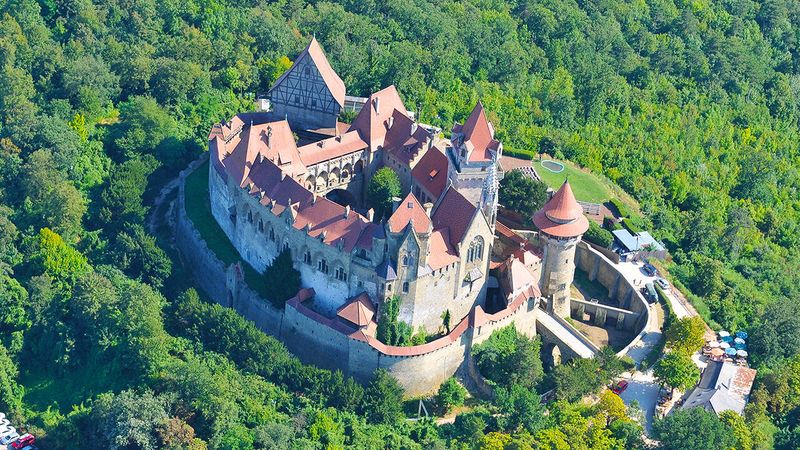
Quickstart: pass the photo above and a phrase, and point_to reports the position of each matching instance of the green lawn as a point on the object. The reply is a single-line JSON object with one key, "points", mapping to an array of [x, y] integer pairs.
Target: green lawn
{"points": [[198, 209], [586, 186]]}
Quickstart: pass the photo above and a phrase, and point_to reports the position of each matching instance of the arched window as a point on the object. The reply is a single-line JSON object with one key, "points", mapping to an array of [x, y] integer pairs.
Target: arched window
{"points": [[322, 265], [260, 226], [250, 216], [475, 249], [405, 287], [405, 260], [307, 258], [272, 235]]}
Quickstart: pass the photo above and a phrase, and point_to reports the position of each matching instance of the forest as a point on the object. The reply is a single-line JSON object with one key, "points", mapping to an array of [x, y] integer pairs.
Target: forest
{"points": [[691, 107]]}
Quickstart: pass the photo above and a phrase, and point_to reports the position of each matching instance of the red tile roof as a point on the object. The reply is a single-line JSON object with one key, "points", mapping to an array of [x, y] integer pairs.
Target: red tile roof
{"points": [[478, 135], [454, 213], [405, 139], [562, 216], [332, 81], [320, 217], [431, 172], [331, 148], [410, 210], [440, 252], [372, 122], [359, 310]]}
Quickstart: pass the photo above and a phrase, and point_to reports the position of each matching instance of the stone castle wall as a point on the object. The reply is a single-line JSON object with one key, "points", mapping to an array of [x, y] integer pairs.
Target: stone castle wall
{"points": [[320, 341]]}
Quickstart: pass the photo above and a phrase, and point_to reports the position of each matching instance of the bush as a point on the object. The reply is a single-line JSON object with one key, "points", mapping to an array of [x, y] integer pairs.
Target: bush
{"points": [[517, 153], [450, 394], [382, 187], [598, 235]]}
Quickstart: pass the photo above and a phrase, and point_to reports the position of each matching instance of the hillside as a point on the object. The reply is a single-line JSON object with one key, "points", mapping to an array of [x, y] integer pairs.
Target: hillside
{"points": [[691, 107]]}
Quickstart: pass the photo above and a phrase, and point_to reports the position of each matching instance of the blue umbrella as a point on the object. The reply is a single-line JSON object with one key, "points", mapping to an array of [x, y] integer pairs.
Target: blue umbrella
{"points": [[730, 351], [739, 340], [727, 339], [741, 334], [740, 346]]}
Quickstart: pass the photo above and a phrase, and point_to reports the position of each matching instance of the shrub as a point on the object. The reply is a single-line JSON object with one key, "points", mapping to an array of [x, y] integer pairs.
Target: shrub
{"points": [[451, 394], [281, 279], [597, 235]]}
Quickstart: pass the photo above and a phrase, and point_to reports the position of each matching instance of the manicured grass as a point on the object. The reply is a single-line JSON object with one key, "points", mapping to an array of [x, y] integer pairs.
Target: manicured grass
{"points": [[586, 186], [198, 209]]}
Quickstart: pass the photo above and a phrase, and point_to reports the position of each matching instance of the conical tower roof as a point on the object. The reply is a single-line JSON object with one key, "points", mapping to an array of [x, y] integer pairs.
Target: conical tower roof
{"points": [[562, 215]]}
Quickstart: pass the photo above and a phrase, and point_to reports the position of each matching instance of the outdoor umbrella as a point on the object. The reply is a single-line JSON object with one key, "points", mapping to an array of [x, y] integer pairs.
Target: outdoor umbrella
{"points": [[724, 345], [724, 334], [741, 334], [727, 339], [730, 351], [739, 340], [741, 346], [741, 353], [717, 352], [713, 344]]}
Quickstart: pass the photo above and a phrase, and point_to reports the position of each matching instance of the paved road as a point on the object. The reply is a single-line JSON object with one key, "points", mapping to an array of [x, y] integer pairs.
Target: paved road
{"points": [[643, 388]]}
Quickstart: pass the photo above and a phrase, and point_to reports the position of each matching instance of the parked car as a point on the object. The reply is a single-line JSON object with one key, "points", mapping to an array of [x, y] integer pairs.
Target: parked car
{"points": [[4, 423], [7, 430], [663, 283], [649, 270], [619, 387], [9, 438], [2, 416], [25, 440], [649, 292]]}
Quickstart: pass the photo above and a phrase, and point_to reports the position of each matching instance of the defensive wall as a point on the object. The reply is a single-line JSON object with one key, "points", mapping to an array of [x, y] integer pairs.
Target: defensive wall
{"points": [[330, 344], [632, 306]]}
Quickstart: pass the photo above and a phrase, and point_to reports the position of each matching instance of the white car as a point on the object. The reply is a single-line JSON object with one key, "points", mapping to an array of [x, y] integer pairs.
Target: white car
{"points": [[2, 416], [5, 431], [9, 438]]}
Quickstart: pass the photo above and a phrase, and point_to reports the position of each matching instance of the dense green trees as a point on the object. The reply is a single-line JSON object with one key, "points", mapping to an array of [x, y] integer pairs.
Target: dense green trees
{"points": [[677, 370], [509, 357], [690, 107], [692, 429]]}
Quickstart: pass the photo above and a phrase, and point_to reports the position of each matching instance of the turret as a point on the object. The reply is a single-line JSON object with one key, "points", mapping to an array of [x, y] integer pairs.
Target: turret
{"points": [[561, 224]]}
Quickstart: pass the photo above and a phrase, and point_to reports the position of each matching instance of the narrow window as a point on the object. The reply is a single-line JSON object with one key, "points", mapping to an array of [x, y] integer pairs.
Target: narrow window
{"points": [[405, 287], [307, 258]]}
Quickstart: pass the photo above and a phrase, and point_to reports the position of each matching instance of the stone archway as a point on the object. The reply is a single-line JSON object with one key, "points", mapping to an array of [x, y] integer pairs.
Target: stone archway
{"points": [[551, 355]]}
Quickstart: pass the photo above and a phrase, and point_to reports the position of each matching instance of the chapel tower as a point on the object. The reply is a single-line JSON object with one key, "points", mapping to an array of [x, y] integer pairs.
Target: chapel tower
{"points": [[561, 224]]}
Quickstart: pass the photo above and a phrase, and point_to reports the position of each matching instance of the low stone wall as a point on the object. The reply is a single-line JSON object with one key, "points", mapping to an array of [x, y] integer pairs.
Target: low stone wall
{"points": [[603, 315], [327, 343]]}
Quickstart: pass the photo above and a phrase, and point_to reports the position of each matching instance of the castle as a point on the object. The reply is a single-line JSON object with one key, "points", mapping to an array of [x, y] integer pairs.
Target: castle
{"points": [[295, 178]]}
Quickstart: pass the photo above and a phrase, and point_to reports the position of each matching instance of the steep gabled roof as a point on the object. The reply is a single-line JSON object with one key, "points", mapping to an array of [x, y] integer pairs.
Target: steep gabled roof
{"points": [[478, 135], [431, 171], [409, 210], [455, 213], [562, 216], [372, 121], [332, 81]]}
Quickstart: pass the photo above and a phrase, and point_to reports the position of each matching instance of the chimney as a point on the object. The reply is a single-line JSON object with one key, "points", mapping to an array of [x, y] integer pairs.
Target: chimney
{"points": [[428, 208], [370, 214], [269, 136], [391, 122], [338, 138], [395, 203], [377, 105], [346, 211]]}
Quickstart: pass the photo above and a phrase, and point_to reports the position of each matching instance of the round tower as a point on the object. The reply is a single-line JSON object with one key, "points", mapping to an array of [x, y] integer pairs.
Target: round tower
{"points": [[561, 224]]}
